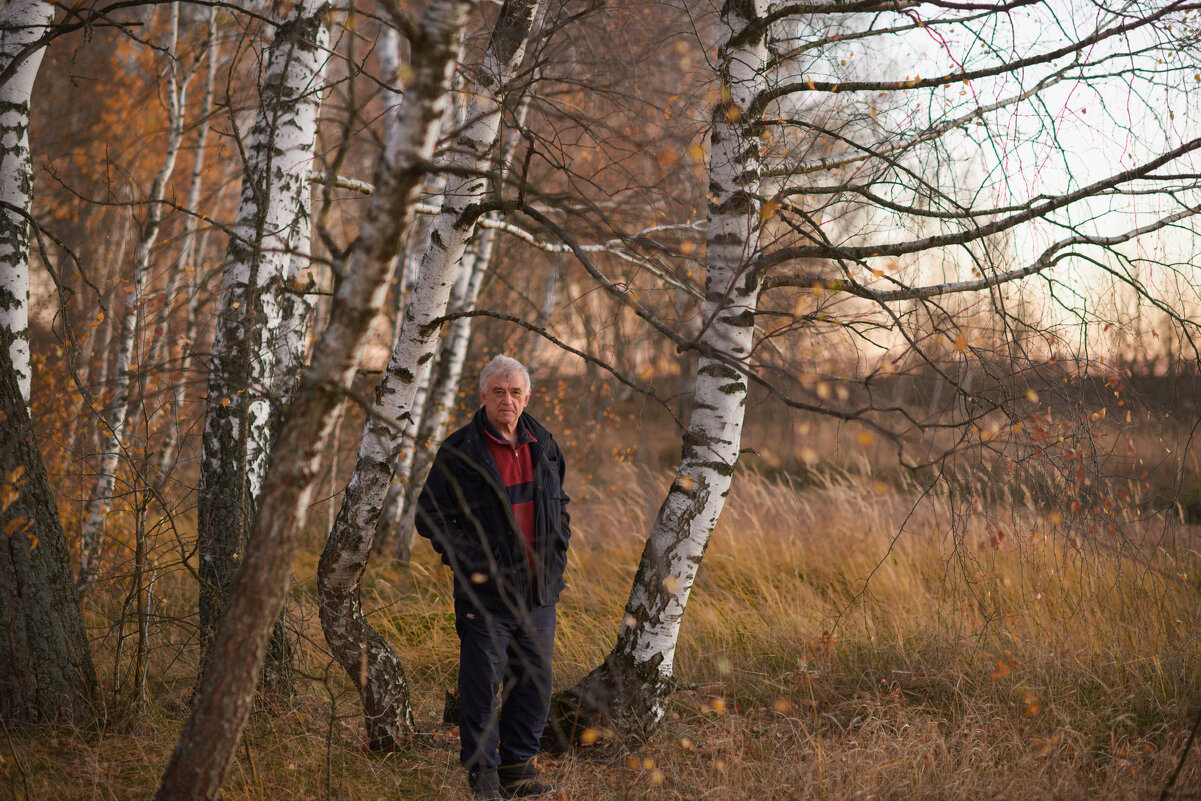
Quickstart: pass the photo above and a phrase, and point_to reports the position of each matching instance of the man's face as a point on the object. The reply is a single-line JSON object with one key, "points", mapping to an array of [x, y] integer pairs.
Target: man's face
{"points": [[504, 400]]}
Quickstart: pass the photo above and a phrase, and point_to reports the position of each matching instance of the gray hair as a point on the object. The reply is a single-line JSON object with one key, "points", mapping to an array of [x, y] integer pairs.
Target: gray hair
{"points": [[502, 366]]}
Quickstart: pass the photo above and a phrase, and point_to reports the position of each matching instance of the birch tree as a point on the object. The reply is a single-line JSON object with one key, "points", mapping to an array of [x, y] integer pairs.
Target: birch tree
{"points": [[127, 344], [189, 249], [407, 268], [431, 414], [444, 387], [262, 320], [630, 686], [226, 687], [26, 25], [835, 217], [361, 651]]}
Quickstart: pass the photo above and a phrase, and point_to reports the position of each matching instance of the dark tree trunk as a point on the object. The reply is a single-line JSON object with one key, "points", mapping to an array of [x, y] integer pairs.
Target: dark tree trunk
{"points": [[46, 670], [227, 683]]}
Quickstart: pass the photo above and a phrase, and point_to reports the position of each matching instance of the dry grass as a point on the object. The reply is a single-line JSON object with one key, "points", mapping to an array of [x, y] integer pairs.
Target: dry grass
{"points": [[846, 639]]}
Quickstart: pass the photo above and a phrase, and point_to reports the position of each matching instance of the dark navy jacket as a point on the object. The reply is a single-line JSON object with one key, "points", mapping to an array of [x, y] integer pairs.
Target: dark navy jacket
{"points": [[464, 511]]}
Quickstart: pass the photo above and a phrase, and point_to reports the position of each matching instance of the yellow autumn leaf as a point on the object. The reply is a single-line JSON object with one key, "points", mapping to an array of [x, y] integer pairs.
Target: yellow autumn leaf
{"points": [[769, 210], [17, 524], [8, 496]]}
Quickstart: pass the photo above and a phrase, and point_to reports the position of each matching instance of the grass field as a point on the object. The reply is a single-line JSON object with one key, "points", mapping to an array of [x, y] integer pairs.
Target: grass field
{"points": [[849, 638]]}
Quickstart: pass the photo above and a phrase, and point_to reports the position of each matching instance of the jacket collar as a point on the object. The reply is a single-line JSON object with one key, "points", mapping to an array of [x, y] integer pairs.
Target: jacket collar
{"points": [[524, 437], [527, 426]]}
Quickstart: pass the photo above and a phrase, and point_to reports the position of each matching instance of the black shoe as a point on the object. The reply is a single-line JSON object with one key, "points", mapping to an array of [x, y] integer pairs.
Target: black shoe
{"points": [[527, 788], [521, 781], [485, 786]]}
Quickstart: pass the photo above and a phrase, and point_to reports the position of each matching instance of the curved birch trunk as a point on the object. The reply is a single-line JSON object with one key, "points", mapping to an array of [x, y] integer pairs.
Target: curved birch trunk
{"points": [[444, 388], [396, 521], [362, 652], [261, 317], [24, 22], [226, 688], [389, 528], [119, 403], [387, 531], [626, 692], [46, 670]]}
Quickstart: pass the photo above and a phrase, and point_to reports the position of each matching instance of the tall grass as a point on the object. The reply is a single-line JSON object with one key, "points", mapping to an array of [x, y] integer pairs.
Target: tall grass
{"points": [[848, 638]]}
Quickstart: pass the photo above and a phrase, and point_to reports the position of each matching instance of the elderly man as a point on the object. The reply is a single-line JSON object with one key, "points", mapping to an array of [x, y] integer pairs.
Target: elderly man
{"points": [[495, 509]]}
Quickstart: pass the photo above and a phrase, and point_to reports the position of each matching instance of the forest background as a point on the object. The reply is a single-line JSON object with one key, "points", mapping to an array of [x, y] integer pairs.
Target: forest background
{"points": [[868, 332]]}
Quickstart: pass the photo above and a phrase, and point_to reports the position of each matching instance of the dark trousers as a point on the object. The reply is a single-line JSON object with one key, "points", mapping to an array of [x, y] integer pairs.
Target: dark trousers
{"points": [[509, 654]]}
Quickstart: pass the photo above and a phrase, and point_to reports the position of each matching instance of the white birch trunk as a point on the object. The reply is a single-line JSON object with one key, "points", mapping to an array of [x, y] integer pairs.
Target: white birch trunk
{"points": [[627, 691], [189, 251], [253, 350], [387, 532], [94, 363], [225, 693], [396, 522], [388, 53], [550, 296], [366, 657], [119, 402], [24, 22], [407, 271], [443, 390]]}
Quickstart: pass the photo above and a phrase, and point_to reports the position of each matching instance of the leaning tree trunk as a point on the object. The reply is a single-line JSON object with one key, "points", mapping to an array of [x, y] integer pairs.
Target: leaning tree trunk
{"points": [[24, 22], [257, 296], [360, 649], [119, 402], [407, 270], [46, 668], [226, 688], [444, 387], [626, 693], [400, 507]]}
